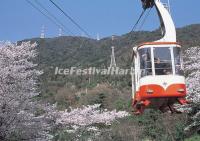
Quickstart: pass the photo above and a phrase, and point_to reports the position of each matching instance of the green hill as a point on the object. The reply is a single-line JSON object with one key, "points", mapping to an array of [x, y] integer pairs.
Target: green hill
{"points": [[112, 92], [67, 51]]}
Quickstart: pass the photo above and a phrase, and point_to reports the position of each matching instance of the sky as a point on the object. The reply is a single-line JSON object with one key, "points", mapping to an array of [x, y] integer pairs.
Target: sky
{"points": [[104, 17]]}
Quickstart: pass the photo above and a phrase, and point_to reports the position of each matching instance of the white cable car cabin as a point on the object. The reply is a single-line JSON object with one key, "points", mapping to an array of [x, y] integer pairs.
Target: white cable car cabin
{"points": [[158, 80]]}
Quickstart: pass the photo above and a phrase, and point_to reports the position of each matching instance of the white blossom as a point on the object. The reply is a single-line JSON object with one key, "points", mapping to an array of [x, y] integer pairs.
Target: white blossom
{"points": [[88, 115], [192, 71], [18, 85]]}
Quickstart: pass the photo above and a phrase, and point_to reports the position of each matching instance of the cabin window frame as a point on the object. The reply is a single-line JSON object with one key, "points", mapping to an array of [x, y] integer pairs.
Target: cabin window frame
{"points": [[172, 61], [144, 69], [161, 67], [181, 71]]}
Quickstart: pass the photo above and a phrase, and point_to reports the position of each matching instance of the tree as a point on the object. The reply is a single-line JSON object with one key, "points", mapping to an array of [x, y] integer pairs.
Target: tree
{"points": [[18, 86], [87, 120], [88, 115], [192, 69]]}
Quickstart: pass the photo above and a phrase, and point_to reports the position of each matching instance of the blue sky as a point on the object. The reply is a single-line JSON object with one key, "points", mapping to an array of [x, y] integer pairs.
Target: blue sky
{"points": [[106, 17]]}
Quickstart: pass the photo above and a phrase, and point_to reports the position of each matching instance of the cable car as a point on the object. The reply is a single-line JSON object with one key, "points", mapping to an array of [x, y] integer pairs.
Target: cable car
{"points": [[158, 80]]}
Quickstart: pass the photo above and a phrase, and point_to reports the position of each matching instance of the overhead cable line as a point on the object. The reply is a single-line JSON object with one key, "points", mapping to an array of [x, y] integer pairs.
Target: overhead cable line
{"points": [[35, 7], [70, 18], [48, 17], [140, 17], [54, 17], [137, 22], [145, 18]]}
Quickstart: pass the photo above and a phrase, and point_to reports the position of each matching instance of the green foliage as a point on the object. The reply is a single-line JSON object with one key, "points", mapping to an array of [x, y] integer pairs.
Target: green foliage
{"points": [[65, 52], [152, 130], [48, 94], [39, 112], [194, 119], [100, 100], [63, 136], [16, 136], [120, 104], [179, 131], [193, 138], [161, 127], [92, 85], [62, 104], [81, 134]]}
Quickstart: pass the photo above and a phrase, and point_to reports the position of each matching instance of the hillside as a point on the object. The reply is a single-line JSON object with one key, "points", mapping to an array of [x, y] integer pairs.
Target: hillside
{"points": [[112, 92], [59, 50], [66, 52]]}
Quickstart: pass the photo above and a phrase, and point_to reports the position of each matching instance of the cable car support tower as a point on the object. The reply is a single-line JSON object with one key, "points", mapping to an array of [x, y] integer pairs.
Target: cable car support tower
{"points": [[112, 57]]}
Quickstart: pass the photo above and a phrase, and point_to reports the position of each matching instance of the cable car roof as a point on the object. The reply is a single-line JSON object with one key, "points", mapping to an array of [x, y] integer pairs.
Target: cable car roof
{"points": [[158, 43]]}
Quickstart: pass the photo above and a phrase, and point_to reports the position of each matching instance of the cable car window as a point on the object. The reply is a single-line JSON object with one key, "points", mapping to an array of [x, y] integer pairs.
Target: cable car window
{"points": [[162, 61], [177, 61], [145, 61]]}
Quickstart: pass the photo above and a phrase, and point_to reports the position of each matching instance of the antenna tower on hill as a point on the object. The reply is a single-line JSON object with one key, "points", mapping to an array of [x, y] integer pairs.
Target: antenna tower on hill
{"points": [[42, 35]]}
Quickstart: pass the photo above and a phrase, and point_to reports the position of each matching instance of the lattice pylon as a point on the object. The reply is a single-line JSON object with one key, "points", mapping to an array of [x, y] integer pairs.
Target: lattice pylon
{"points": [[112, 61], [60, 32], [42, 35]]}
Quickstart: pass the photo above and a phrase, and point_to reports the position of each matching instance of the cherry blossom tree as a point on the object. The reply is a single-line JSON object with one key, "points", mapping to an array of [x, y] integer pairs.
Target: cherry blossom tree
{"points": [[18, 109], [88, 115], [18, 86], [85, 120], [192, 69]]}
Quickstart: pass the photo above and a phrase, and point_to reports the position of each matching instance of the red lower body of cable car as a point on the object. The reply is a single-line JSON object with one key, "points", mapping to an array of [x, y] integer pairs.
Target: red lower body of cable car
{"points": [[156, 96]]}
